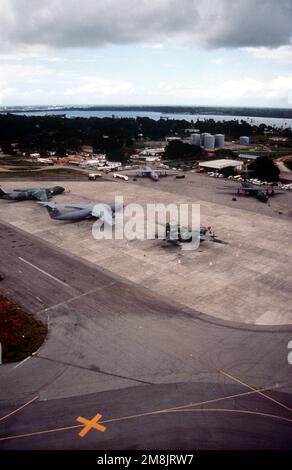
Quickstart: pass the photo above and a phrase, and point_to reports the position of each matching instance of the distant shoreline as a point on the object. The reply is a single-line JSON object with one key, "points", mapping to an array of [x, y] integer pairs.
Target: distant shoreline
{"points": [[281, 113]]}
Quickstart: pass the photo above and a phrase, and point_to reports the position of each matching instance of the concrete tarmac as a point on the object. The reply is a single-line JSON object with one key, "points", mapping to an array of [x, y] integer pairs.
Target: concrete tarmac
{"points": [[124, 351], [248, 281]]}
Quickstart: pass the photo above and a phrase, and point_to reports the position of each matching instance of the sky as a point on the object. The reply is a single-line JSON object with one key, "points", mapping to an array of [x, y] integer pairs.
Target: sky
{"points": [[163, 52]]}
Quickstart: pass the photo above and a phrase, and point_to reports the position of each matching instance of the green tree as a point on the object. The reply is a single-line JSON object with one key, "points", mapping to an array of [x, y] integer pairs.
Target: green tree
{"points": [[264, 169], [228, 171], [178, 150], [7, 149]]}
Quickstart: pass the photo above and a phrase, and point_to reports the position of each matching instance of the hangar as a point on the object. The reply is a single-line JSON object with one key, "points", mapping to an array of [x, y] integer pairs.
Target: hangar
{"points": [[218, 165]]}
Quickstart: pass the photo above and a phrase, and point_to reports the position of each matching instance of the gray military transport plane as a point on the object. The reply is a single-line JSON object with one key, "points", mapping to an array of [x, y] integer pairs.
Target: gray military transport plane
{"points": [[104, 212], [149, 172], [39, 194], [247, 188], [177, 235]]}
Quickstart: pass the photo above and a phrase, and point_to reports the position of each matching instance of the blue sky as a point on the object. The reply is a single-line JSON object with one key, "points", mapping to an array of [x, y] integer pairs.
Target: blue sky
{"points": [[161, 55]]}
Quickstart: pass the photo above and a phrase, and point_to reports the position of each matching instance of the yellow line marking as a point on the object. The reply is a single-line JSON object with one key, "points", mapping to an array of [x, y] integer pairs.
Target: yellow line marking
{"points": [[237, 395], [257, 391], [18, 409], [37, 433], [223, 410], [197, 410], [167, 410], [150, 413]]}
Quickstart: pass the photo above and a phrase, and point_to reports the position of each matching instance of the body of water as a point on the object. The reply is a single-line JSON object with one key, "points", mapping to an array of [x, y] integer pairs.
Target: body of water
{"points": [[274, 122]]}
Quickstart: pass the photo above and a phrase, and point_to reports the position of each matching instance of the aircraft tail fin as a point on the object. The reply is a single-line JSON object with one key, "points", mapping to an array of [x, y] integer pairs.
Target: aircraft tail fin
{"points": [[167, 232], [2, 194], [53, 211]]}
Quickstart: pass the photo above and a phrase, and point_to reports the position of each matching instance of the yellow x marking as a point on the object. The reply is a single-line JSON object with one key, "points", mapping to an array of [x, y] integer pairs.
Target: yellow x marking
{"points": [[90, 424]]}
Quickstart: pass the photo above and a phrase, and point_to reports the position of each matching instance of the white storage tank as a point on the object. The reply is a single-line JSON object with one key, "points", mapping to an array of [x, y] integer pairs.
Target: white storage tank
{"points": [[244, 140], [209, 141], [219, 140], [196, 139], [203, 137]]}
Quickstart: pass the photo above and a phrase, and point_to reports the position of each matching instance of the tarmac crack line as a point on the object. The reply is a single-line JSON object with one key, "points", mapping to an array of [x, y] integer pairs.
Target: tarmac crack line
{"points": [[97, 371], [257, 391]]}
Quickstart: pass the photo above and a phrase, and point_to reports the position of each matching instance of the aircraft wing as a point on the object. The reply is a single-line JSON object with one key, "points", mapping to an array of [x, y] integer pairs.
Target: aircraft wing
{"points": [[212, 239], [259, 188], [226, 188], [74, 206], [40, 195], [137, 172], [168, 173], [104, 213]]}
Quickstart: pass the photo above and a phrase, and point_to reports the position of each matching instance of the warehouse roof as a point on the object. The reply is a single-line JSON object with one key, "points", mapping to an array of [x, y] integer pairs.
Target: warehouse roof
{"points": [[246, 156], [220, 164]]}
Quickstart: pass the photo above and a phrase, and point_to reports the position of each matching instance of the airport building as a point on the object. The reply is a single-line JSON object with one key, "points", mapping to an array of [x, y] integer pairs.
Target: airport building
{"points": [[219, 165], [244, 140], [247, 158]]}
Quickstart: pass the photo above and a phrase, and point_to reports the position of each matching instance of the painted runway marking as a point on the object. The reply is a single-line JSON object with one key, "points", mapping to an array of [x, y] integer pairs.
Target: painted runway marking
{"points": [[77, 297], [163, 411], [257, 391], [90, 424], [198, 410], [22, 362], [45, 272], [19, 408]]}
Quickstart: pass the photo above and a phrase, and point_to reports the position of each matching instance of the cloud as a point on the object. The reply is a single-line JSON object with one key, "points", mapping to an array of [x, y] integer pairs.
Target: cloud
{"points": [[91, 23], [5, 92], [282, 54], [96, 87], [22, 83], [230, 92], [217, 61]]}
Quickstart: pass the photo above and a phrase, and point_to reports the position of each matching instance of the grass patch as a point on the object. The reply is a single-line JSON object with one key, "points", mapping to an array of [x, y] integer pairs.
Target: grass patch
{"points": [[49, 173], [12, 161], [20, 333]]}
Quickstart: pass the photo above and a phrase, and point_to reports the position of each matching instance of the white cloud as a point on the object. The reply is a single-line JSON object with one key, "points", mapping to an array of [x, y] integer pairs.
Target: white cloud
{"points": [[5, 92], [153, 46], [242, 91], [217, 61], [282, 54], [96, 87]]}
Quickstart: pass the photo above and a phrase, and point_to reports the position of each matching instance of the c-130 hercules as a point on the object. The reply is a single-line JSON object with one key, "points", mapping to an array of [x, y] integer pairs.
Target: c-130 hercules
{"points": [[247, 188], [39, 194], [176, 235]]}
